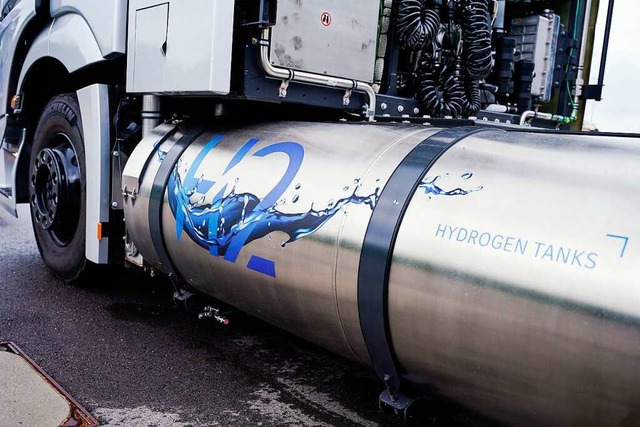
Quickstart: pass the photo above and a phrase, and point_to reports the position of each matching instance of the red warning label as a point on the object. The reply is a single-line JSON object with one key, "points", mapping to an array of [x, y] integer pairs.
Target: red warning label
{"points": [[325, 18]]}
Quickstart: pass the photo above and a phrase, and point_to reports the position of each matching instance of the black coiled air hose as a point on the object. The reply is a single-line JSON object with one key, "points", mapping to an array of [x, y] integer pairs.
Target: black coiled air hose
{"points": [[416, 25], [472, 102], [476, 38], [440, 91]]}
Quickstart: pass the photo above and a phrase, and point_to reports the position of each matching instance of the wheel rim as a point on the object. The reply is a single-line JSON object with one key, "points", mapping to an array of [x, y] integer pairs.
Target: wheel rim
{"points": [[56, 189]]}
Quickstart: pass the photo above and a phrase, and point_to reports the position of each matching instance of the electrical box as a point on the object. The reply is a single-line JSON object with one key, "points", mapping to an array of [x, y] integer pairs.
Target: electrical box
{"points": [[329, 37], [537, 41], [180, 47]]}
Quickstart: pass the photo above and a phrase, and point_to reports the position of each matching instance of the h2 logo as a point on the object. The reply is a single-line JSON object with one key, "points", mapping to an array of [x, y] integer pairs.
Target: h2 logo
{"points": [[249, 225]]}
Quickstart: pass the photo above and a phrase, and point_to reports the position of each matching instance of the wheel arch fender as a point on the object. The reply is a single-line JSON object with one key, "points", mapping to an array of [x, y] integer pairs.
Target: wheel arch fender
{"points": [[65, 46], [69, 40]]}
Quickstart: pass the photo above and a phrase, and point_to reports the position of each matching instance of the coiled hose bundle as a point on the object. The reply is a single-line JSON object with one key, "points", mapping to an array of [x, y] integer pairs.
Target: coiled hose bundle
{"points": [[472, 102], [476, 39], [416, 24], [440, 91], [440, 88]]}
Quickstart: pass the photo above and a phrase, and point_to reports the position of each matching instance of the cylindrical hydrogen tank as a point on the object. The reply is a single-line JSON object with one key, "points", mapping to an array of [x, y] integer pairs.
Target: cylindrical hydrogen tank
{"points": [[499, 268]]}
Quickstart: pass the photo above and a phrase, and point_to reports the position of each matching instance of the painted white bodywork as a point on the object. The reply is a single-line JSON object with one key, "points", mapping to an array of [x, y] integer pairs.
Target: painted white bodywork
{"points": [[171, 49], [94, 108], [107, 20], [81, 33], [11, 28], [69, 40]]}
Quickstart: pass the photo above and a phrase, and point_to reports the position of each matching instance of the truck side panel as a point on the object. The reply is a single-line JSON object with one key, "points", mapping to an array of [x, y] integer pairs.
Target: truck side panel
{"points": [[11, 31], [105, 18]]}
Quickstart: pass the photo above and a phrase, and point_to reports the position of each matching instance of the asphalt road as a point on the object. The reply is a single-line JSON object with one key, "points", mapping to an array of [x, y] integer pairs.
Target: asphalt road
{"points": [[128, 355]]}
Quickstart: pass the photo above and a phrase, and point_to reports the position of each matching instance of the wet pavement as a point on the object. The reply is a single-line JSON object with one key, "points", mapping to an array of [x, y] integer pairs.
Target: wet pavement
{"points": [[126, 353]]}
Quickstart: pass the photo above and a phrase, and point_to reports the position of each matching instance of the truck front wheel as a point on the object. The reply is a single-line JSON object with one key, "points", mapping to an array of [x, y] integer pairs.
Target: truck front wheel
{"points": [[57, 188]]}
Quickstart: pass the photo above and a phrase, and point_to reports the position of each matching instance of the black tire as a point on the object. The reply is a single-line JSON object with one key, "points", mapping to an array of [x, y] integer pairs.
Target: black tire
{"points": [[57, 188]]}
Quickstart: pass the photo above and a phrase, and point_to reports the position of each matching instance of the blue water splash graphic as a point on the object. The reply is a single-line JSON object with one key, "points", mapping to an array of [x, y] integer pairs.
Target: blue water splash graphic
{"points": [[431, 188], [160, 152], [230, 220], [216, 226]]}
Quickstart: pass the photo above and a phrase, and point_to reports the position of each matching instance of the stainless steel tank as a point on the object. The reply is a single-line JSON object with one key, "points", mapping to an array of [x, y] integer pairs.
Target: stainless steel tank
{"points": [[499, 268]]}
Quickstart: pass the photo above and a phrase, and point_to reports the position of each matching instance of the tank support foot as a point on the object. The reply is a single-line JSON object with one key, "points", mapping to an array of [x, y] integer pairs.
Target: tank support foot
{"points": [[189, 301], [391, 402]]}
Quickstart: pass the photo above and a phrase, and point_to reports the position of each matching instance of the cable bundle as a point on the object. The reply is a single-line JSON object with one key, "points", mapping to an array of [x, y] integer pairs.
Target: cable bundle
{"points": [[417, 25], [448, 82], [472, 102], [476, 37], [440, 91]]}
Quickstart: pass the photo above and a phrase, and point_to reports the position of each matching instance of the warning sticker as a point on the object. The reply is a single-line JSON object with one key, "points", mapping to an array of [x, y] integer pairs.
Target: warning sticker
{"points": [[325, 18]]}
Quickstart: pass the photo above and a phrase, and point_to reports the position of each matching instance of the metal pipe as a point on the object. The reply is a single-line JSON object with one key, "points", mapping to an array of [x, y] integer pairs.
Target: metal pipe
{"points": [[498, 108], [288, 74], [583, 52], [544, 116], [150, 113], [498, 23], [526, 115]]}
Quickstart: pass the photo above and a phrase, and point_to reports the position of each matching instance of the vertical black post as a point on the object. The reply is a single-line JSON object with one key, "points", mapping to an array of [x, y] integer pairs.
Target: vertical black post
{"points": [[392, 59], [605, 44]]}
